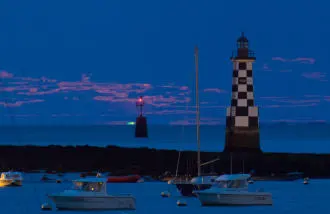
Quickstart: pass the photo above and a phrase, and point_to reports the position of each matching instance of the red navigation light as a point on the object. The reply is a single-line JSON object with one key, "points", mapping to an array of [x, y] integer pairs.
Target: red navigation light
{"points": [[140, 101]]}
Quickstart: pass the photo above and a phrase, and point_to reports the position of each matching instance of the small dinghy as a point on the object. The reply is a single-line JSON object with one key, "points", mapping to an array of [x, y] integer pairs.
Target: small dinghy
{"points": [[46, 206], [306, 181]]}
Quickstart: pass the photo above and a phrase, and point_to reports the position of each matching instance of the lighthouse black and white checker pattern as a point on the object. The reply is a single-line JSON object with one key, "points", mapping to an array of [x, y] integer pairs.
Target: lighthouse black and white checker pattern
{"points": [[242, 117], [242, 112]]}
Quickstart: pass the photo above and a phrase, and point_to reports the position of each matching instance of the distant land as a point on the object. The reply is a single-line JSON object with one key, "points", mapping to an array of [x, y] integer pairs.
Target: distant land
{"points": [[154, 162]]}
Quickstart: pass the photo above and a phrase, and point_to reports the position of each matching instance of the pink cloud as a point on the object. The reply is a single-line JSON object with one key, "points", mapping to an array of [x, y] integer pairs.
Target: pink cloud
{"points": [[201, 106], [299, 121], [286, 70], [279, 59], [315, 75], [117, 123], [36, 92], [290, 106], [184, 88], [303, 60], [265, 67], [45, 79], [67, 115], [20, 103], [114, 99], [311, 95], [273, 97], [109, 92], [203, 121], [297, 101], [170, 112], [6, 75], [21, 115], [85, 77], [33, 90], [216, 90], [18, 83], [286, 102], [327, 98]]}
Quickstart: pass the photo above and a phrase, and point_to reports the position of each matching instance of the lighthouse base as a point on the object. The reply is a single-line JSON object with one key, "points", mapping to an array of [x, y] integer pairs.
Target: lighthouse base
{"points": [[141, 129], [240, 139]]}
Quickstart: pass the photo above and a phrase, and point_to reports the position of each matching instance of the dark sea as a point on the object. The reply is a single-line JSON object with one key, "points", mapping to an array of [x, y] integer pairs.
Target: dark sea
{"points": [[278, 137], [288, 197]]}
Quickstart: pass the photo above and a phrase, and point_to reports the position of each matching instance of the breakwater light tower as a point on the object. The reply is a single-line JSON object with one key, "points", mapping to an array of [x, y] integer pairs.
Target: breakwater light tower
{"points": [[242, 117], [141, 130]]}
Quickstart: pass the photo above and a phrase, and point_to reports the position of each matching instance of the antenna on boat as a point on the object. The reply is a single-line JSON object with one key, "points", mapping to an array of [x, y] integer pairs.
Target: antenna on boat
{"points": [[179, 156], [231, 163], [197, 115]]}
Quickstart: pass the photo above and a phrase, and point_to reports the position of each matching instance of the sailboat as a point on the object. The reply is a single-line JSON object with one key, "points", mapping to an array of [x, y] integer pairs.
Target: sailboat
{"points": [[200, 182]]}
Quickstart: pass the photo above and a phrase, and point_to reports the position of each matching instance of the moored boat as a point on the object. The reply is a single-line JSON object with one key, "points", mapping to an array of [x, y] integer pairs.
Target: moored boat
{"points": [[291, 176], [187, 188], [11, 179], [49, 178], [200, 182], [233, 190], [91, 194]]}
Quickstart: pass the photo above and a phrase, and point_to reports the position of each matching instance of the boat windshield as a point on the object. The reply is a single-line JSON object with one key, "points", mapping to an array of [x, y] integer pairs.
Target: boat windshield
{"points": [[88, 187], [233, 184]]}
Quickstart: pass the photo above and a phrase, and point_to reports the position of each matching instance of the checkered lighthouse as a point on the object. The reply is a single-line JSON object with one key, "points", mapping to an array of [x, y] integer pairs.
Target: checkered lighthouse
{"points": [[242, 117]]}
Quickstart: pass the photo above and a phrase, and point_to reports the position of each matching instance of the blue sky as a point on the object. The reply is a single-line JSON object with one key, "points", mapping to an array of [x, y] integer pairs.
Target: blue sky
{"points": [[65, 62]]}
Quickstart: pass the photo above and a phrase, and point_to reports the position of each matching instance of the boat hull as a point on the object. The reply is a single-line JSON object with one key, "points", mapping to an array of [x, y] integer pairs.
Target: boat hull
{"points": [[14, 183], [93, 203], [235, 199], [187, 189]]}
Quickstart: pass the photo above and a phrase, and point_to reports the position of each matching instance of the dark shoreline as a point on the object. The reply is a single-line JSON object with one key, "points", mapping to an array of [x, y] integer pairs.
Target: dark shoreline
{"points": [[145, 161]]}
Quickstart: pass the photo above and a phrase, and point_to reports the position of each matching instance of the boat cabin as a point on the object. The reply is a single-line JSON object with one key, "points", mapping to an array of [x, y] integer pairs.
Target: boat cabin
{"points": [[235, 181], [97, 185], [203, 179]]}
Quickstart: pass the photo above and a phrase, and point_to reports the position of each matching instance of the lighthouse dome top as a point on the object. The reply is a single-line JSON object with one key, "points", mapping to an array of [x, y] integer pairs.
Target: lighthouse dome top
{"points": [[242, 42], [243, 51], [242, 38]]}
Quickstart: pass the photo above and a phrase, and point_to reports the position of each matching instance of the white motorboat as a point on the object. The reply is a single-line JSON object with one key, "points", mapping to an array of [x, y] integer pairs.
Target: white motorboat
{"points": [[11, 179], [91, 194], [233, 190]]}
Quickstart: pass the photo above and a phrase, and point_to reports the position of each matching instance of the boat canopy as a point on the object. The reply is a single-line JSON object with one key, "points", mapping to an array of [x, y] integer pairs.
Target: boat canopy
{"points": [[233, 177]]}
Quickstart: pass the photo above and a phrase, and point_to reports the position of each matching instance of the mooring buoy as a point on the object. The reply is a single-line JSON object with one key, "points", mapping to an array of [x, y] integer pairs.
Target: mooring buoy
{"points": [[181, 203], [165, 194]]}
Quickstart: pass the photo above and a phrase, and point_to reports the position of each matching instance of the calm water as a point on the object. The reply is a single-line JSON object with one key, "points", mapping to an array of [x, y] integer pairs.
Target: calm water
{"points": [[310, 138], [288, 197]]}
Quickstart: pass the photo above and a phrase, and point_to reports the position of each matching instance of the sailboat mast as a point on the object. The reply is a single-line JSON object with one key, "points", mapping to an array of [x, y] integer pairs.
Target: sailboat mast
{"points": [[197, 116]]}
